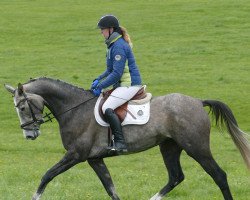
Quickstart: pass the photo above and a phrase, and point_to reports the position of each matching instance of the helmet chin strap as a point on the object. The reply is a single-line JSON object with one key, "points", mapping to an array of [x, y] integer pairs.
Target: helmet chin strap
{"points": [[110, 33]]}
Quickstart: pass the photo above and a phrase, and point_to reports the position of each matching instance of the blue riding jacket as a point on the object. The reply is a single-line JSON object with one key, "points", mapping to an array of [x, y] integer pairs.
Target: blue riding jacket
{"points": [[121, 66]]}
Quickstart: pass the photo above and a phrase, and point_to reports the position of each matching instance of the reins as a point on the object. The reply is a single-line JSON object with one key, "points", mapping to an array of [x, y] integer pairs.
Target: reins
{"points": [[47, 115]]}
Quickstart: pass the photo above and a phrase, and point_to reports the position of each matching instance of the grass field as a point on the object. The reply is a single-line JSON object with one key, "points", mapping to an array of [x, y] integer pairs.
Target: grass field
{"points": [[198, 48]]}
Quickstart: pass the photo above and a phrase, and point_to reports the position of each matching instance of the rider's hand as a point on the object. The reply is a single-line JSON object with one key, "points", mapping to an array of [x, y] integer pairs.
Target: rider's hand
{"points": [[97, 91], [94, 84]]}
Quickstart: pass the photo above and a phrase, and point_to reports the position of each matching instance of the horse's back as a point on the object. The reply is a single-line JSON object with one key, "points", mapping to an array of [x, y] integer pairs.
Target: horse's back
{"points": [[184, 116], [178, 104]]}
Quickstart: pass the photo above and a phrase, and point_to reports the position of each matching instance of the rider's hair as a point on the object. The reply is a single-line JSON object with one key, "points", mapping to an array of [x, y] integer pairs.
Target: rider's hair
{"points": [[122, 30]]}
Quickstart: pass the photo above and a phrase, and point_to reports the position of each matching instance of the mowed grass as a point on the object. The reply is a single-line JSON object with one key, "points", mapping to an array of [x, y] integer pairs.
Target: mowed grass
{"points": [[198, 48]]}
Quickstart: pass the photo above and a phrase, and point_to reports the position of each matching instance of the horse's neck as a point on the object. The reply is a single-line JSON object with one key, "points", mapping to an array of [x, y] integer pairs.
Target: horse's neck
{"points": [[57, 96]]}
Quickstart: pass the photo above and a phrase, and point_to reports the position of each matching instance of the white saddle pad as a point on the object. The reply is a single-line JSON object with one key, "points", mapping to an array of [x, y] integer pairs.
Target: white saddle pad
{"points": [[139, 111]]}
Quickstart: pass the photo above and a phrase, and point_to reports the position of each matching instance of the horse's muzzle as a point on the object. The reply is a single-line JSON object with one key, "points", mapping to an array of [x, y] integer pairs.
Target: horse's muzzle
{"points": [[31, 134]]}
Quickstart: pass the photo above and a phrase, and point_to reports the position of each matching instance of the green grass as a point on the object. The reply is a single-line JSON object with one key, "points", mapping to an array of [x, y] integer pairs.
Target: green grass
{"points": [[199, 48]]}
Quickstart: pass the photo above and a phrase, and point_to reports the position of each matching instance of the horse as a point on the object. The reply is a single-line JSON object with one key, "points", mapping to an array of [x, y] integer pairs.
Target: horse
{"points": [[177, 122]]}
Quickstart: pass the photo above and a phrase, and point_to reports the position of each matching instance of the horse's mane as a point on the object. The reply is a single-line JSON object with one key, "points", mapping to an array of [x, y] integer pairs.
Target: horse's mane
{"points": [[56, 81]]}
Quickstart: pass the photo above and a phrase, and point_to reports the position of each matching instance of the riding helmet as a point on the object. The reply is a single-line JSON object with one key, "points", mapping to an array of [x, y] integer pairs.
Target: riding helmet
{"points": [[108, 21]]}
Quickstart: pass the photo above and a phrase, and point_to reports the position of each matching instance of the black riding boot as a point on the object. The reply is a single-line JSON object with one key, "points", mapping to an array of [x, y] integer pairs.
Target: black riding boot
{"points": [[116, 128]]}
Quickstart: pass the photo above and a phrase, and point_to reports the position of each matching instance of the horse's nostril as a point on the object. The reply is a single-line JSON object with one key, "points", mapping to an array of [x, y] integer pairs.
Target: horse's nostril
{"points": [[29, 138]]}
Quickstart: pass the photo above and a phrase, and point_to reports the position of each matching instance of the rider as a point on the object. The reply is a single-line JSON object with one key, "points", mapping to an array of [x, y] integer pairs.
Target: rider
{"points": [[122, 72]]}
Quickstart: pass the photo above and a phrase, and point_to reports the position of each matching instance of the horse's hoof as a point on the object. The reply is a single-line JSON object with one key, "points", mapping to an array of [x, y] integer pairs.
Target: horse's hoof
{"points": [[36, 196], [156, 197]]}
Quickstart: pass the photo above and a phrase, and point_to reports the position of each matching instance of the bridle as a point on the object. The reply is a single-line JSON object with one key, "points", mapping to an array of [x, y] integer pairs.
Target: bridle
{"points": [[47, 117], [34, 118]]}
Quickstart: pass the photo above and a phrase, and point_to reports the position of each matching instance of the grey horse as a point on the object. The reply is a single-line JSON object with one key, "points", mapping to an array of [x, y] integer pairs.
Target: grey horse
{"points": [[177, 123]]}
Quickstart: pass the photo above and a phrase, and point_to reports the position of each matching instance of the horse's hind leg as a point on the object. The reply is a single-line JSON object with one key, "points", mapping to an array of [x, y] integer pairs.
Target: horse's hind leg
{"points": [[171, 155], [199, 149], [212, 168]]}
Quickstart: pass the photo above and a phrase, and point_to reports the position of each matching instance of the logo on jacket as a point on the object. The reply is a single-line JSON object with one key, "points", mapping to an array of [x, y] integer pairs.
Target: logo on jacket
{"points": [[118, 57]]}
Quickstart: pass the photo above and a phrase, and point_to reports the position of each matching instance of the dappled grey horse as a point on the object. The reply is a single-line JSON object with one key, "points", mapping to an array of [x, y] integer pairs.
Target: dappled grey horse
{"points": [[177, 123]]}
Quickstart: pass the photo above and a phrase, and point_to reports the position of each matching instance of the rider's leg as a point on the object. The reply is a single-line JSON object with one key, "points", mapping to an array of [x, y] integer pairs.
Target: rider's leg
{"points": [[116, 128], [118, 97]]}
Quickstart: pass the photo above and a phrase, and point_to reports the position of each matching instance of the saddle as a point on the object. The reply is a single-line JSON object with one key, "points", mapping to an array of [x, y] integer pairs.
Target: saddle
{"points": [[122, 110]]}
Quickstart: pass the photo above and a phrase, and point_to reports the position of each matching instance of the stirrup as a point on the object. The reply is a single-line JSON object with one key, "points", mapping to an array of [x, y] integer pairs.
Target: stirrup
{"points": [[113, 148]]}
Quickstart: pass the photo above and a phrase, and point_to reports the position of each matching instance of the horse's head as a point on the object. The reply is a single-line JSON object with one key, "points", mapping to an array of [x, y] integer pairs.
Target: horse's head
{"points": [[29, 108]]}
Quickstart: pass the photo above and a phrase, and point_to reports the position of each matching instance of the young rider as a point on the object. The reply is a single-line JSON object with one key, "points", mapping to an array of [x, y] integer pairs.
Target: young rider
{"points": [[122, 73]]}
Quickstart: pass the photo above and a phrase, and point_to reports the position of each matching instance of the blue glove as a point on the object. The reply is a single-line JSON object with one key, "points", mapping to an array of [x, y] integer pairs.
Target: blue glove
{"points": [[94, 84], [97, 91]]}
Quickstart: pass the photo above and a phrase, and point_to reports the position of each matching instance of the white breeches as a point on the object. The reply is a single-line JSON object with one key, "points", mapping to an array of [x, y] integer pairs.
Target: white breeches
{"points": [[120, 96]]}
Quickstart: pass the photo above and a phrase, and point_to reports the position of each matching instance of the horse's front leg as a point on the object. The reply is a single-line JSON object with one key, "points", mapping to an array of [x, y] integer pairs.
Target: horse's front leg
{"points": [[68, 161], [101, 170]]}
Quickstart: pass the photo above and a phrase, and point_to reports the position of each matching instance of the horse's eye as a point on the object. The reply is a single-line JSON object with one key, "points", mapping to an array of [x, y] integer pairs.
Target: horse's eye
{"points": [[22, 108]]}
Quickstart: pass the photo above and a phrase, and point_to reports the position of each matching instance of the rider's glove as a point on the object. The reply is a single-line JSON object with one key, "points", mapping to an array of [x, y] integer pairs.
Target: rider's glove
{"points": [[94, 84], [97, 91]]}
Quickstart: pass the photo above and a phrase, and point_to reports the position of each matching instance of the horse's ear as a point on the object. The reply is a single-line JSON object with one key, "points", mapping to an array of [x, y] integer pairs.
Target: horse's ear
{"points": [[20, 89], [9, 88]]}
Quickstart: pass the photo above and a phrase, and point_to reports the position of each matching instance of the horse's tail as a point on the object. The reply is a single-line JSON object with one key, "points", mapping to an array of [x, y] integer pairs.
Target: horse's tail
{"points": [[224, 115]]}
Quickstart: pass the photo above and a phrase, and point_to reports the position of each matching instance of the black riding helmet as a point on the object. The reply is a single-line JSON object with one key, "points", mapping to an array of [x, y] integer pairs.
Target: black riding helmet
{"points": [[108, 21]]}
